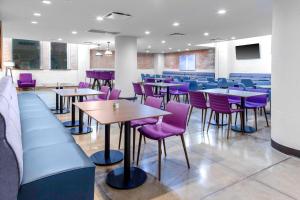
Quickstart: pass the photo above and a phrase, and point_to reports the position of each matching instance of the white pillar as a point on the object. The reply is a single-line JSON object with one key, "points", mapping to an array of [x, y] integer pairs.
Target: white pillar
{"points": [[285, 75], [159, 63], [125, 64]]}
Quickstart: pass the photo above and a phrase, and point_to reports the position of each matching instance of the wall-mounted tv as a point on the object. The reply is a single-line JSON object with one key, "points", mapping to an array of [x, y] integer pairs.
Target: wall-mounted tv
{"points": [[187, 62], [247, 52]]}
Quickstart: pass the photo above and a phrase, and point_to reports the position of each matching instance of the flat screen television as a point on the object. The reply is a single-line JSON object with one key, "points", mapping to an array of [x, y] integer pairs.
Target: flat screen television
{"points": [[247, 52], [187, 62]]}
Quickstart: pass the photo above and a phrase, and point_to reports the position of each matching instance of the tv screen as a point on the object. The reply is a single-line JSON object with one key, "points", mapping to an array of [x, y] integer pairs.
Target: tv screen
{"points": [[187, 62], [247, 52]]}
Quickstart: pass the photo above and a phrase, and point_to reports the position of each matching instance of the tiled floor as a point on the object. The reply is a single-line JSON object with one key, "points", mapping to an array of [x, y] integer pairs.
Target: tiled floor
{"points": [[243, 167]]}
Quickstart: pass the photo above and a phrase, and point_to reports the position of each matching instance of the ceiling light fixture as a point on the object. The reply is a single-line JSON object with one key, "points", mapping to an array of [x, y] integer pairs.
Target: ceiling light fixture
{"points": [[46, 2], [108, 52], [147, 51], [187, 49], [149, 46], [99, 18], [176, 24], [98, 52], [163, 41], [233, 38], [59, 39], [206, 34], [222, 11], [34, 22], [178, 50], [37, 14], [189, 44], [74, 32], [170, 48], [147, 32]]}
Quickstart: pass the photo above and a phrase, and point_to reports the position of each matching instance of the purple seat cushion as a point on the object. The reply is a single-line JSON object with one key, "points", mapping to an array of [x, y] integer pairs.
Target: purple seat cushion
{"points": [[141, 122], [178, 92], [160, 131], [254, 105]]}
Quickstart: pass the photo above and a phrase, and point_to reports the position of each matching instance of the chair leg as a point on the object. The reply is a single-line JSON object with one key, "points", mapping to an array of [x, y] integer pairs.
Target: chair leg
{"points": [[236, 116], [266, 116], [229, 125], [255, 118], [144, 140], [211, 114], [159, 159], [204, 119], [133, 144], [191, 110], [139, 150], [120, 138], [185, 152], [164, 144]]}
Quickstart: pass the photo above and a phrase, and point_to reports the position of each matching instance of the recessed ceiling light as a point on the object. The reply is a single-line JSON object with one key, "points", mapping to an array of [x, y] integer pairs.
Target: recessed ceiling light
{"points": [[233, 38], [170, 48], [59, 39], [37, 14], [147, 51], [163, 41], [189, 44], [46, 2], [176, 24], [178, 50], [34, 22], [222, 11], [187, 49], [149, 46], [74, 32], [147, 32], [206, 34], [99, 18]]}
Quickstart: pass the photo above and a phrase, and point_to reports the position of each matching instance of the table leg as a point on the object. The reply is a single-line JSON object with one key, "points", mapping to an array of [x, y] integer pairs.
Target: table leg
{"points": [[168, 94], [107, 157], [81, 129], [58, 104], [126, 177], [243, 127], [72, 123]]}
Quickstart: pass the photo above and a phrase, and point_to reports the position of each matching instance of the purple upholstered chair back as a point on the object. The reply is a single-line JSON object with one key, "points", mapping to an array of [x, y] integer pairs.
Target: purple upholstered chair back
{"points": [[25, 77], [219, 103], [83, 85], [184, 87], [106, 75], [150, 80], [137, 88], [114, 94], [235, 98], [105, 90], [148, 90], [168, 80], [174, 88], [261, 99], [197, 100], [179, 115], [154, 102], [88, 74]]}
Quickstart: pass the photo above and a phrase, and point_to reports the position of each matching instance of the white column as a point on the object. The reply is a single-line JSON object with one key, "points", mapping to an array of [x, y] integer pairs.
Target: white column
{"points": [[125, 63], [285, 74], [159, 63]]}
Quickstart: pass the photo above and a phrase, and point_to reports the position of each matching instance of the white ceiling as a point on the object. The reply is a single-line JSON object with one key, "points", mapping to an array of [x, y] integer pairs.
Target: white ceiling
{"points": [[244, 18]]}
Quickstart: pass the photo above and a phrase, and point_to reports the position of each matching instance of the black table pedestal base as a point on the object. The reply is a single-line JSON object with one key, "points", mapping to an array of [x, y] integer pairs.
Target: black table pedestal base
{"points": [[70, 124], [115, 178], [85, 130], [58, 112], [98, 158], [248, 129], [214, 123]]}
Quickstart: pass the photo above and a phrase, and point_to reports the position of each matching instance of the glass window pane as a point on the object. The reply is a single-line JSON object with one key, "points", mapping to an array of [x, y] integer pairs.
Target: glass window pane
{"points": [[26, 54], [58, 55]]}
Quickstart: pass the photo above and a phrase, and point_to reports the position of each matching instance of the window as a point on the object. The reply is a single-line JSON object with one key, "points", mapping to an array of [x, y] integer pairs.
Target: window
{"points": [[26, 54], [187, 62], [58, 55]]}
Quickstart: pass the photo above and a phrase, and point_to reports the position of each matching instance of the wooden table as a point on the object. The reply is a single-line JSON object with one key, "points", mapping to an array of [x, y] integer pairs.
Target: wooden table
{"points": [[125, 177], [243, 95], [73, 93], [165, 85]]}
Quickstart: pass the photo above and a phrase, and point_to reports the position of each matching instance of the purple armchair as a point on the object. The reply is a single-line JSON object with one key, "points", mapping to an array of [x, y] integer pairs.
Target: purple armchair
{"points": [[25, 81]]}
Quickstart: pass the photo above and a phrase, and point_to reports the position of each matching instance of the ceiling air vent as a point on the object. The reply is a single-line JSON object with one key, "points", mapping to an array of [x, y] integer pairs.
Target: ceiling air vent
{"points": [[103, 32], [117, 16], [177, 34], [217, 40]]}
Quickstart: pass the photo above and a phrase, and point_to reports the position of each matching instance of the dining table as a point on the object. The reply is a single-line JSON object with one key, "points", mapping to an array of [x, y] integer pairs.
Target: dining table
{"points": [[59, 108], [243, 127], [164, 85], [119, 111], [78, 127]]}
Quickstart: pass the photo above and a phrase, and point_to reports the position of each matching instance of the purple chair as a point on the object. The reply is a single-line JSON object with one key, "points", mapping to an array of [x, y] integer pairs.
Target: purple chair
{"points": [[114, 94], [138, 90], [105, 90], [198, 100], [182, 90], [150, 80], [152, 102], [84, 85], [257, 102], [171, 125], [220, 105], [233, 100], [26, 81], [149, 92]]}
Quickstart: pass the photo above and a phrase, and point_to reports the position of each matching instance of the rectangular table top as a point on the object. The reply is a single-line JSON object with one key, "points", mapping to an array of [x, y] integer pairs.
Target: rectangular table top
{"points": [[77, 92], [105, 113], [164, 84], [238, 93], [264, 86], [54, 85]]}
